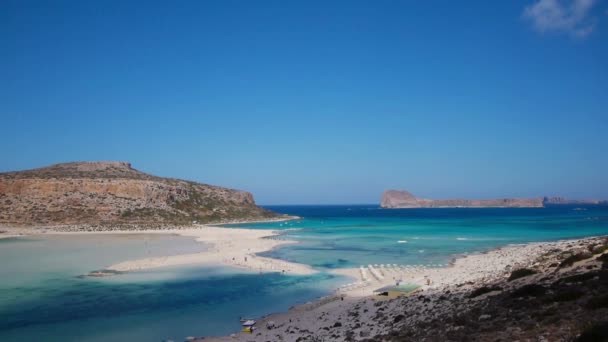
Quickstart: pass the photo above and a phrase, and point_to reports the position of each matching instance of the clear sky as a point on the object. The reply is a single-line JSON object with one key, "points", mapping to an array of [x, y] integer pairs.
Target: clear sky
{"points": [[315, 101]]}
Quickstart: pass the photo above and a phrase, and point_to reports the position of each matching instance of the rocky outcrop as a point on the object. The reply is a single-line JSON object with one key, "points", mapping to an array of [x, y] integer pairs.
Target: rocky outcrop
{"points": [[399, 199], [561, 296], [114, 192], [404, 199]]}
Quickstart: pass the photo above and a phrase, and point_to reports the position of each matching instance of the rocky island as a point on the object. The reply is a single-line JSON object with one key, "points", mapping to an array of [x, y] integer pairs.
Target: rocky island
{"points": [[404, 199], [116, 193]]}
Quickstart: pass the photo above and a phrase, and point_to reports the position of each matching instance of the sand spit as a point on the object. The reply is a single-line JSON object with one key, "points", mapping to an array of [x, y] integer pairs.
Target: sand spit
{"points": [[227, 246]]}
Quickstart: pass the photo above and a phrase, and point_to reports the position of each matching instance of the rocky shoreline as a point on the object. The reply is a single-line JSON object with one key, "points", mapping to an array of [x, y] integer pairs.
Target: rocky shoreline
{"points": [[552, 291]]}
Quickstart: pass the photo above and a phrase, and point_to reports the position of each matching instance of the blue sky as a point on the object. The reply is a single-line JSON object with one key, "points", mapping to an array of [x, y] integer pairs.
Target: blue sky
{"points": [[315, 101]]}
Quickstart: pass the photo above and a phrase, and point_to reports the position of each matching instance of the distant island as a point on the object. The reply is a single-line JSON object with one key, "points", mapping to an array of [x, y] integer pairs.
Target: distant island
{"points": [[404, 199], [114, 192]]}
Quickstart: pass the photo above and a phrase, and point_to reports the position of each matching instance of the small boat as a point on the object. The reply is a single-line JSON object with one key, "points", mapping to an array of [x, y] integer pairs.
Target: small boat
{"points": [[248, 323], [242, 319]]}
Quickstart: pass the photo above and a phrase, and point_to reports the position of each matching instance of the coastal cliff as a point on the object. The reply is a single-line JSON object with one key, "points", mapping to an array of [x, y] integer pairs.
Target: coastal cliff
{"points": [[404, 199], [114, 192]]}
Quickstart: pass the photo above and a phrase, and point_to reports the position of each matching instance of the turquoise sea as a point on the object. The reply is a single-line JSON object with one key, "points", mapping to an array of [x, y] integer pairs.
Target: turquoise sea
{"points": [[349, 236], [42, 295]]}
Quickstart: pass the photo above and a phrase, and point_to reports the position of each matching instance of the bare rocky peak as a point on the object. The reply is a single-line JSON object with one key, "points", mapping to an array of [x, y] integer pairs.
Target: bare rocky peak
{"points": [[398, 199], [98, 166], [98, 169]]}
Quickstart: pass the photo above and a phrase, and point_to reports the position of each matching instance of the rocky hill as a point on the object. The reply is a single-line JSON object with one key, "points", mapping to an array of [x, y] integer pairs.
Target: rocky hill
{"points": [[114, 192], [562, 296], [404, 199]]}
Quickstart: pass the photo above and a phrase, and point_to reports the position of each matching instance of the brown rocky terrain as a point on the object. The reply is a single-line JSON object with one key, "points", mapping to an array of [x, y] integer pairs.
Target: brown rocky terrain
{"points": [[114, 192], [562, 296], [404, 199]]}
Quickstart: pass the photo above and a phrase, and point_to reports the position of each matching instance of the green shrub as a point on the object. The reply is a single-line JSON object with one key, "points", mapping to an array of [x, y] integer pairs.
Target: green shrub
{"points": [[567, 295], [520, 273], [569, 261], [579, 277], [483, 290], [600, 249], [530, 290], [597, 302]]}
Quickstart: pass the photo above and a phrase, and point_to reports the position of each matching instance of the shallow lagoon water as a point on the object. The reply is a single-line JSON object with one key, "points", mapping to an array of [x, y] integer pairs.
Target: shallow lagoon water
{"points": [[42, 297]]}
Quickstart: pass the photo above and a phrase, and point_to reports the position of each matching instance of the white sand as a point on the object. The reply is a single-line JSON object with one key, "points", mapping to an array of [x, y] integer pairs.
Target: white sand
{"points": [[227, 246], [479, 268]]}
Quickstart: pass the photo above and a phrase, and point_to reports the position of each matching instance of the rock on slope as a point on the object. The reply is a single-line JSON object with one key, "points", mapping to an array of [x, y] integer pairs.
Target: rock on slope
{"points": [[404, 199], [114, 192]]}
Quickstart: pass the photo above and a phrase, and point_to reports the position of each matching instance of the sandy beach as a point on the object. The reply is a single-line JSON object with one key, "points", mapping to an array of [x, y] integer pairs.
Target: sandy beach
{"points": [[225, 246]]}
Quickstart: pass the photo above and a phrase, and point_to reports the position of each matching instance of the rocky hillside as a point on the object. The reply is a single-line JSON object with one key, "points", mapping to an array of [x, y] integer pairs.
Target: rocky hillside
{"points": [[404, 199], [114, 192], [561, 297]]}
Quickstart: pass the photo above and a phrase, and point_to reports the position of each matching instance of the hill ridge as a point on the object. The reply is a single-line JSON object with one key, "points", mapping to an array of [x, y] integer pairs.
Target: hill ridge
{"points": [[115, 192]]}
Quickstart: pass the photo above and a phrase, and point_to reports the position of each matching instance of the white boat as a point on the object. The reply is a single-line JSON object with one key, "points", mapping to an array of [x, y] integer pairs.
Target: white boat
{"points": [[248, 323]]}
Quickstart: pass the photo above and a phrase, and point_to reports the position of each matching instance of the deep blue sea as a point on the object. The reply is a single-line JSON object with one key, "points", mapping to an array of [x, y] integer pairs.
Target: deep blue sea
{"points": [[42, 297]]}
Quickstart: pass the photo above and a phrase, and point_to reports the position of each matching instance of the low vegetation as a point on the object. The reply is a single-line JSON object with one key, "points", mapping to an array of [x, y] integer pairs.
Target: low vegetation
{"points": [[529, 290], [569, 261], [520, 273], [596, 333], [483, 290], [597, 302]]}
